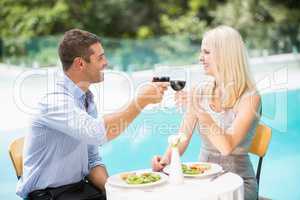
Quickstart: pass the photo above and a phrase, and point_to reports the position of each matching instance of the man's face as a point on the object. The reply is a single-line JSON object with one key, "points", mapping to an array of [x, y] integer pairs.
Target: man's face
{"points": [[94, 68]]}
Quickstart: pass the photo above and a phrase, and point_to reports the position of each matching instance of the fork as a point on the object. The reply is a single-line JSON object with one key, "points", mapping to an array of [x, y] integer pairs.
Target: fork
{"points": [[218, 175]]}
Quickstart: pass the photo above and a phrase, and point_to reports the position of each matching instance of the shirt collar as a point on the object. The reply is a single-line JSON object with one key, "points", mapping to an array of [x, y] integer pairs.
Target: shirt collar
{"points": [[73, 88]]}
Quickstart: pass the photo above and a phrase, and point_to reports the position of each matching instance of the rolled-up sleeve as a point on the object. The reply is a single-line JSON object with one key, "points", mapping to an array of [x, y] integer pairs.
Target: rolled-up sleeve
{"points": [[94, 157], [63, 115]]}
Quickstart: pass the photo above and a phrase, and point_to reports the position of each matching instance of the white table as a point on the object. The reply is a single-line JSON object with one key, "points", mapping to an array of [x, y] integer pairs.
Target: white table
{"points": [[226, 187]]}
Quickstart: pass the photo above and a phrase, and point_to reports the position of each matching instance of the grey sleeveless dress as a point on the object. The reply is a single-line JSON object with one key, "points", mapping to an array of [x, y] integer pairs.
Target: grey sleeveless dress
{"points": [[238, 161]]}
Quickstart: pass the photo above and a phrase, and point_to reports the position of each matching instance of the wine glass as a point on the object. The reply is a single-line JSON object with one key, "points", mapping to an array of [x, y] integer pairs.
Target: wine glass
{"points": [[173, 74], [161, 74], [178, 80]]}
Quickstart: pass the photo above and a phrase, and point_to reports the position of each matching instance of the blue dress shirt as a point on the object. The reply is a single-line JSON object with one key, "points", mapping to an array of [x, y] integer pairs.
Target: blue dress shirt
{"points": [[62, 145]]}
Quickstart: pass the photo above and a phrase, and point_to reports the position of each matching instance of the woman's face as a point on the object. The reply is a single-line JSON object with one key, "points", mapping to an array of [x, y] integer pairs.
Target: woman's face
{"points": [[207, 59]]}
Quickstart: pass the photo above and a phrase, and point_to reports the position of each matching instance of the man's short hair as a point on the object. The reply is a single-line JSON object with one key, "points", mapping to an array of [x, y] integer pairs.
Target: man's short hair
{"points": [[76, 43]]}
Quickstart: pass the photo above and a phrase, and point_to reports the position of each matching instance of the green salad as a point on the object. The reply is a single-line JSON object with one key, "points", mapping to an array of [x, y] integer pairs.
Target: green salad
{"points": [[195, 168], [135, 179]]}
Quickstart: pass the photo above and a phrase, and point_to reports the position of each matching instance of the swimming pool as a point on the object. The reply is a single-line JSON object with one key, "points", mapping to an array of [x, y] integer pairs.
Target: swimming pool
{"points": [[148, 136]]}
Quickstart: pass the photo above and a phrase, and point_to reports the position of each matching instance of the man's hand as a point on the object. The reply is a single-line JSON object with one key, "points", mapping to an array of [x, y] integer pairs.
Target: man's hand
{"points": [[98, 176], [151, 93]]}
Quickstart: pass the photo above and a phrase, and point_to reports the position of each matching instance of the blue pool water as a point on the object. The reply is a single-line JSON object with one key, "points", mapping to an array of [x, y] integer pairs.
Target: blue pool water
{"points": [[148, 134]]}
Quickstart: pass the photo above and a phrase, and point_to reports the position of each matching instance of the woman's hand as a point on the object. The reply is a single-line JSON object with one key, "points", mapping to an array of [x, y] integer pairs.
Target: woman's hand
{"points": [[191, 101], [181, 99], [158, 163], [188, 99], [195, 106], [204, 119]]}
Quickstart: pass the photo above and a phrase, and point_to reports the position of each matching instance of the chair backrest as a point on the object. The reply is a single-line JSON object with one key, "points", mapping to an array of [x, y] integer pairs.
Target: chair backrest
{"points": [[15, 150], [261, 140]]}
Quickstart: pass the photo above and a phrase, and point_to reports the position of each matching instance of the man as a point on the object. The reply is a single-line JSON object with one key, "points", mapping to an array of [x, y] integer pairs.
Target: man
{"points": [[61, 159]]}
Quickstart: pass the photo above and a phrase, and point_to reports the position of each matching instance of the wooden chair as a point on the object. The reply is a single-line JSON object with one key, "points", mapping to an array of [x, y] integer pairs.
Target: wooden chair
{"points": [[259, 146], [15, 150]]}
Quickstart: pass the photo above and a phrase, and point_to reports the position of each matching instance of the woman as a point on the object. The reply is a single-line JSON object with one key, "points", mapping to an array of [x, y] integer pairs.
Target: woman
{"points": [[225, 111]]}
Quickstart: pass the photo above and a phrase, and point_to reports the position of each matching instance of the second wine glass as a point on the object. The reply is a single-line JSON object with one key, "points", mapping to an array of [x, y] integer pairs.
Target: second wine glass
{"points": [[178, 80]]}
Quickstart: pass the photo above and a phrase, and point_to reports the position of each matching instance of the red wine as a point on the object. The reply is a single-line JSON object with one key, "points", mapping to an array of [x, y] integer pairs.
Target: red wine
{"points": [[161, 79], [177, 85]]}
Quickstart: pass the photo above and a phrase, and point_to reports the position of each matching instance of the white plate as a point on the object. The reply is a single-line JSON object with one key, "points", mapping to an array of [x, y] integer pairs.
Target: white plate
{"points": [[215, 168], [116, 180]]}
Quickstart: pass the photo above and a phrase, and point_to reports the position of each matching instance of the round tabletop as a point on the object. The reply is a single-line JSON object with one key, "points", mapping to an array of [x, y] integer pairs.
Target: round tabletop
{"points": [[228, 186]]}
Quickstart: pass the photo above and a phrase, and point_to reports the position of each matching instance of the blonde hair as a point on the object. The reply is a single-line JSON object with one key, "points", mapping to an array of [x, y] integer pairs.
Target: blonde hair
{"points": [[232, 63]]}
